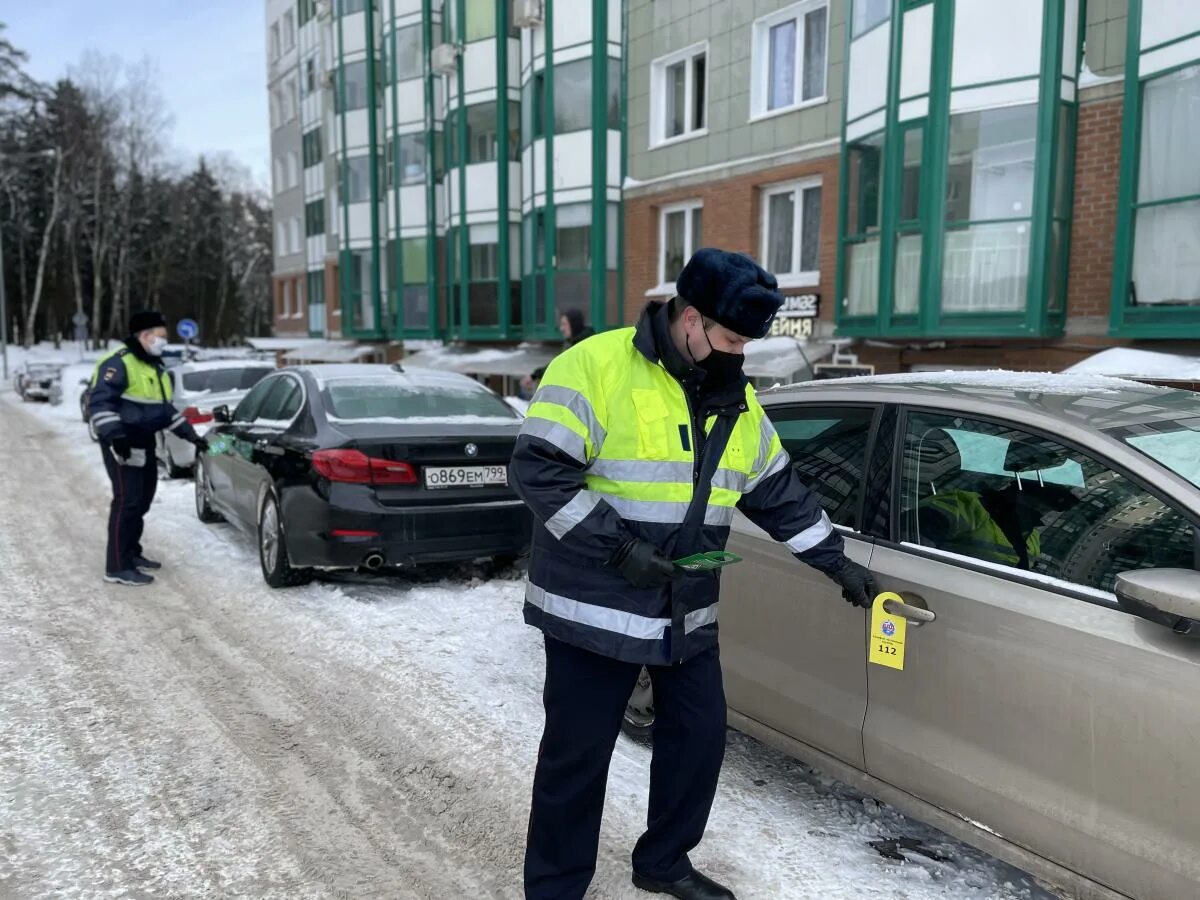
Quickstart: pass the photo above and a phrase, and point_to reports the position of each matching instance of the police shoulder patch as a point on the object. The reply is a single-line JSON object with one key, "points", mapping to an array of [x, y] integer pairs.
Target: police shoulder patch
{"points": [[110, 373]]}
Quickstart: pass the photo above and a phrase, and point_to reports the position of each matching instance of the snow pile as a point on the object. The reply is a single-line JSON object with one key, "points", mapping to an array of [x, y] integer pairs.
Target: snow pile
{"points": [[1127, 362], [1000, 380]]}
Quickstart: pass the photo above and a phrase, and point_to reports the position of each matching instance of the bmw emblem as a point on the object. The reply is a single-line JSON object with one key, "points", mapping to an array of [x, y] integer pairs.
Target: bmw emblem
{"points": [[471, 450]]}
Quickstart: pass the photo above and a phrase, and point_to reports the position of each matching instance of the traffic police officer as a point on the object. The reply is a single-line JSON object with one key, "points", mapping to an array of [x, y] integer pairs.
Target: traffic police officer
{"points": [[638, 447], [130, 402]]}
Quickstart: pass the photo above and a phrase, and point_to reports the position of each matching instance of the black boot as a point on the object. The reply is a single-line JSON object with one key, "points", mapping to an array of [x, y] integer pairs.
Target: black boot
{"points": [[691, 887]]}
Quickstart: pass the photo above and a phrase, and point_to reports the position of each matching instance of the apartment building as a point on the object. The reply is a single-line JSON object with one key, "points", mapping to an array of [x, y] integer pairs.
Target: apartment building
{"points": [[283, 91], [949, 182], [461, 168]]}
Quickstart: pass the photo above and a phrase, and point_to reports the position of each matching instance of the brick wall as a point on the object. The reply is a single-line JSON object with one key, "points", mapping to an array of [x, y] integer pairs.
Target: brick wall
{"points": [[286, 322], [1094, 224], [732, 221]]}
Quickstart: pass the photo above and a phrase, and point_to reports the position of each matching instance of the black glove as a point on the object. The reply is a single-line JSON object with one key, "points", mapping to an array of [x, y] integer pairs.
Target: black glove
{"points": [[200, 443], [857, 582], [642, 565], [122, 449]]}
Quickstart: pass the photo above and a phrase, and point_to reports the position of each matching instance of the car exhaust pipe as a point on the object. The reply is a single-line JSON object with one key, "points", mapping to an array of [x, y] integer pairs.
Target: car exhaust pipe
{"points": [[374, 561]]}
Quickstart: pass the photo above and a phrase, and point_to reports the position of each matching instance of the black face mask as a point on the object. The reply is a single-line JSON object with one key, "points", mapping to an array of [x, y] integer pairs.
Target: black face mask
{"points": [[720, 367]]}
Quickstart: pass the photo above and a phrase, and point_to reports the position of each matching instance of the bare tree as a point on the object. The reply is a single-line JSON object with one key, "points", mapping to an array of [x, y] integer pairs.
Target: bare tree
{"points": [[56, 206]]}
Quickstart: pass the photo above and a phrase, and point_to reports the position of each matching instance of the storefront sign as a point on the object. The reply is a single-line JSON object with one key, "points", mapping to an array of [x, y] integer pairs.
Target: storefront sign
{"points": [[797, 318]]}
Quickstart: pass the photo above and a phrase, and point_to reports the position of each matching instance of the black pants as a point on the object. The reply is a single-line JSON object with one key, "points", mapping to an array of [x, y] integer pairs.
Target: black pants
{"points": [[585, 698], [133, 490]]}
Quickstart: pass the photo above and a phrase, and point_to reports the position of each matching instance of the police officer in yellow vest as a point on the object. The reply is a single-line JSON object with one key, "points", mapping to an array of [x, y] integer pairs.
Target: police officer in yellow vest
{"points": [[130, 402], [638, 447]]}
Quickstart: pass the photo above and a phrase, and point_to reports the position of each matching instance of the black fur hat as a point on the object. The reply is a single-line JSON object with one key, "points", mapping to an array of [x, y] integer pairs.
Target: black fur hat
{"points": [[145, 319], [732, 289]]}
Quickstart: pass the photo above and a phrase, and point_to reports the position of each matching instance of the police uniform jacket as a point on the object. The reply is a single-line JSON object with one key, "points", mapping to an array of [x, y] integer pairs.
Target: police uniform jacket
{"points": [[131, 399], [621, 441]]}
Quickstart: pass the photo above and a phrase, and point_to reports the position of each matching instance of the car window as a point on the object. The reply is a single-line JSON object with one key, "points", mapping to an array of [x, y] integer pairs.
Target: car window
{"points": [[1174, 444], [828, 446], [283, 402], [223, 380], [390, 400], [1001, 494], [247, 409]]}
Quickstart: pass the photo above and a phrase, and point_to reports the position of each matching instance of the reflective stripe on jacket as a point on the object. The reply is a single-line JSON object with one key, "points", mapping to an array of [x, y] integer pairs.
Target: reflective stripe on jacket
{"points": [[610, 451], [131, 398]]}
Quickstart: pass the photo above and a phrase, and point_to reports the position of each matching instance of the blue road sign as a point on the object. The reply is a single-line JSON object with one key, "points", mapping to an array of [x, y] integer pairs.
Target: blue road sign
{"points": [[187, 329]]}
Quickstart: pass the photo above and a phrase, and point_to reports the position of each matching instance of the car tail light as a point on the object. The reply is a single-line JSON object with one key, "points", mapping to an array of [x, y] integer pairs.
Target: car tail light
{"points": [[197, 416], [355, 467], [353, 533]]}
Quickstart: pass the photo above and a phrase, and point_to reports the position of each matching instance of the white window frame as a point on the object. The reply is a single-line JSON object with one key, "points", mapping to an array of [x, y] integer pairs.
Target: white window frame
{"points": [[294, 235], [276, 44], [286, 306], [667, 288], [301, 304], [760, 62], [796, 188], [658, 98]]}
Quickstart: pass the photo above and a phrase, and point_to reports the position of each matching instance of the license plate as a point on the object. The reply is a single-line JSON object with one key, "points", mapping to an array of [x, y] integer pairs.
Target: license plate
{"points": [[465, 476]]}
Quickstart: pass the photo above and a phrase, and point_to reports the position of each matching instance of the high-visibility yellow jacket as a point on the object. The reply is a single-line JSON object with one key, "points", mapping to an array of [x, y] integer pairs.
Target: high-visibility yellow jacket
{"points": [[622, 441], [968, 528], [131, 398]]}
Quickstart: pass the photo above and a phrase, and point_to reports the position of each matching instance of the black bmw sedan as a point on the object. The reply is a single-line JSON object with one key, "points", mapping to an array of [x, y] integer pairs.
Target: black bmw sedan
{"points": [[365, 466]]}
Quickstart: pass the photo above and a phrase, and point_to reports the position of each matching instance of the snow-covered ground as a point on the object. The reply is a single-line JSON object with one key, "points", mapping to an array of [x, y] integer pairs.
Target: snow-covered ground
{"points": [[367, 737]]}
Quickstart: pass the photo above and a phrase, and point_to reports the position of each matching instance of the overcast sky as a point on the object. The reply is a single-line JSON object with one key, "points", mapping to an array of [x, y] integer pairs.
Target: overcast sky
{"points": [[211, 55]]}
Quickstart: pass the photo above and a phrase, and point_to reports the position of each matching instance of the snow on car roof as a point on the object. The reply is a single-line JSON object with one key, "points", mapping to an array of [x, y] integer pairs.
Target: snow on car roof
{"points": [[1095, 401], [1002, 380], [376, 372]]}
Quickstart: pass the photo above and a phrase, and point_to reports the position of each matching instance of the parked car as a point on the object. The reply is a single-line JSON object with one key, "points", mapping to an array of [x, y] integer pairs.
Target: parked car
{"points": [[198, 387], [365, 466], [40, 381], [1044, 536]]}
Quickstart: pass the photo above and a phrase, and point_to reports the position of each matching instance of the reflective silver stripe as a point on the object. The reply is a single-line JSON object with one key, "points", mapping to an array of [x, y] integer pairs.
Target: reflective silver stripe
{"points": [[811, 536], [579, 405], [179, 419], [661, 511], [718, 515], [765, 435], [629, 624], [780, 462], [698, 618], [572, 513], [560, 436], [176, 423], [731, 480], [641, 470], [666, 512], [101, 417]]}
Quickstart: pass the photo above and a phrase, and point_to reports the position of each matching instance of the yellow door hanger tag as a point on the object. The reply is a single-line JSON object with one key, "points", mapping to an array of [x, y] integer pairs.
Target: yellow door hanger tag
{"points": [[886, 642]]}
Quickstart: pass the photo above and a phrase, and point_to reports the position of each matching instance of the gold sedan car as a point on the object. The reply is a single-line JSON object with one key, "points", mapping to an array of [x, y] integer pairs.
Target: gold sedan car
{"points": [[1043, 534]]}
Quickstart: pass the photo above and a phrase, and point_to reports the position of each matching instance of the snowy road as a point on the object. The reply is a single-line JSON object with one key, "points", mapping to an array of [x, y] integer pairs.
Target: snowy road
{"points": [[369, 738]]}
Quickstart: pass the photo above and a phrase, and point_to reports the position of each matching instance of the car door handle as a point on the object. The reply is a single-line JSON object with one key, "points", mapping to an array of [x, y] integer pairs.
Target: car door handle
{"points": [[915, 614], [265, 446]]}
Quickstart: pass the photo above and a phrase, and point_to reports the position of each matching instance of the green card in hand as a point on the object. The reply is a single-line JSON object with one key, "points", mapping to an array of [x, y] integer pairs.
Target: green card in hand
{"points": [[713, 559]]}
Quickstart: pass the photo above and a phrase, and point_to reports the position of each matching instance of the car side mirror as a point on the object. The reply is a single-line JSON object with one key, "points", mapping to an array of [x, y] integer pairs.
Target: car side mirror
{"points": [[1169, 597], [222, 415]]}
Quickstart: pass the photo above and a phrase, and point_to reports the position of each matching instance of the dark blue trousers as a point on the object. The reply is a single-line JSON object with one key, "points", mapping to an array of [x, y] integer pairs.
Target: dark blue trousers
{"points": [[585, 698], [133, 490]]}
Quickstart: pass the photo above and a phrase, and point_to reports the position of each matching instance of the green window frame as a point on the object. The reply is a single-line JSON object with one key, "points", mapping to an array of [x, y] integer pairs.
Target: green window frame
{"points": [[1161, 200]]}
